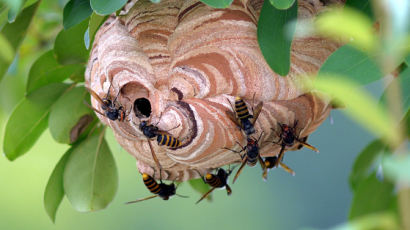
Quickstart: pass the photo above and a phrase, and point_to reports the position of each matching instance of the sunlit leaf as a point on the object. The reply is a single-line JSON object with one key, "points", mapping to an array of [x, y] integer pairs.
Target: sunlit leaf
{"points": [[282, 4], [404, 82], [75, 12], [106, 7], [46, 70], [7, 51], [352, 63], [90, 176], [200, 186], [29, 119], [272, 37], [380, 221], [360, 106], [54, 193], [218, 3], [69, 46], [371, 196], [67, 113], [15, 32], [347, 24], [363, 6], [365, 162]]}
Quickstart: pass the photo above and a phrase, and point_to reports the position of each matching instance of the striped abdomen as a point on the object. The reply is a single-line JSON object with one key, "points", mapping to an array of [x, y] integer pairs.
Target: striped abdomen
{"points": [[214, 181], [168, 140], [241, 109], [151, 184]]}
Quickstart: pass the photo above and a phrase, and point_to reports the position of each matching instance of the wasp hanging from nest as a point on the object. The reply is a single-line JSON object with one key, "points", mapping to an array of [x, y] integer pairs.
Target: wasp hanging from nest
{"points": [[242, 118], [219, 180], [151, 131], [251, 155], [162, 190], [112, 110], [288, 138]]}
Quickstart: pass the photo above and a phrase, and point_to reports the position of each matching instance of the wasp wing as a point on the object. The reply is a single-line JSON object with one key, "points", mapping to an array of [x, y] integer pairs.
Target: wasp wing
{"points": [[95, 95], [154, 156], [94, 109], [256, 112]]}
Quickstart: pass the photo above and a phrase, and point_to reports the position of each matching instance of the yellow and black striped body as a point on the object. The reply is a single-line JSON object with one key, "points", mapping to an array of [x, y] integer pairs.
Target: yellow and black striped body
{"points": [[168, 140], [214, 181], [241, 109], [160, 189], [151, 184]]}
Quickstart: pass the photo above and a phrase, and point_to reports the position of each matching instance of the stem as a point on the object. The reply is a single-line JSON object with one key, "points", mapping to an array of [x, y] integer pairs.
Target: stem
{"points": [[388, 59]]}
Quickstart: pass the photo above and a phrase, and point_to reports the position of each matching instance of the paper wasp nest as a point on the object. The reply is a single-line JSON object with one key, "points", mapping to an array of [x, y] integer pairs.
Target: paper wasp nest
{"points": [[180, 61]]}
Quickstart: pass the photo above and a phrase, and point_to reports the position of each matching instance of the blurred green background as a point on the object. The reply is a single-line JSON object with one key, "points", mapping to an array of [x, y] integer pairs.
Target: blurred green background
{"points": [[317, 197]]}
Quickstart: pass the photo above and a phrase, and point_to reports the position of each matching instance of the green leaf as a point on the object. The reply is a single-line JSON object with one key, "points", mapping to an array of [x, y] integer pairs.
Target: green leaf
{"points": [[352, 63], [363, 6], [69, 116], [46, 70], [75, 12], [404, 82], [371, 196], [360, 106], [90, 177], [220, 4], [69, 45], [54, 193], [397, 167], [282, 4], [7, 51], [364, 162], [93, 25], [272, 37], [3, 16], [347, 24], [15, 32], [29, 119], [78, 75], [15, 9], [385, 220], [106, 7], [407, 60], [200, 186]]}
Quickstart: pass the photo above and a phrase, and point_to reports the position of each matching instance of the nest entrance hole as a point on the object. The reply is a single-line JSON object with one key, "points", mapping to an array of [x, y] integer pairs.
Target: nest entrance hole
{"points": [[142, 106]]}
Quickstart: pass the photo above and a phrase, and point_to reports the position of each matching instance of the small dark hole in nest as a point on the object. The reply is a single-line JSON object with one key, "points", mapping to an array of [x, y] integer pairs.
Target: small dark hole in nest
{"points": [[142, 107]]}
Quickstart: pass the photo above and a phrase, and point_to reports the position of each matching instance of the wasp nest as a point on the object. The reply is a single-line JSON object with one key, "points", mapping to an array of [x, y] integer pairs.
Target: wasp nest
{"points": [[178, 64]]}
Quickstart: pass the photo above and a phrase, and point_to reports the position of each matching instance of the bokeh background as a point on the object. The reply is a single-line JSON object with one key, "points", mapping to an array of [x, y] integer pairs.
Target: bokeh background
{"points": [[317, 197]]}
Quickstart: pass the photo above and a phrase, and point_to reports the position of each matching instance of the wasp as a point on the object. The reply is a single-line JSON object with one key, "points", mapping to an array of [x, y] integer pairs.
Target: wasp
{"points": [[288, 138], [219, 180], [270, 162], [243, 119], [162, 190], [251, 156], [111, 109], [163, 138]]}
